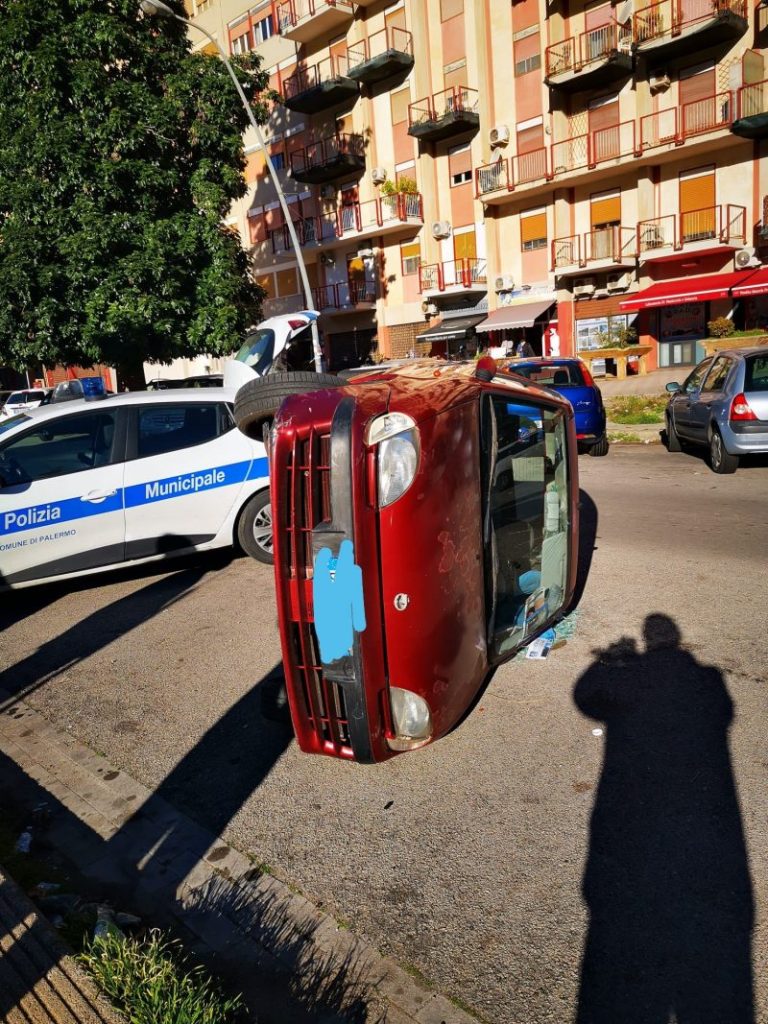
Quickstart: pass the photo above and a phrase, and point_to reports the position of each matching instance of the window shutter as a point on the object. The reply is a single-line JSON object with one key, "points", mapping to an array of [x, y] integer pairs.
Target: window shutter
{"points": [[533, 227], [697, 193], [606, 210], [530, 139], [465, 245]]}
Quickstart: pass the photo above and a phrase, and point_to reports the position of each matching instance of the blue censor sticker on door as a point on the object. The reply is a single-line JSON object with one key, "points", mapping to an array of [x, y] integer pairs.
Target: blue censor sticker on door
{"points": [[337, 595]]}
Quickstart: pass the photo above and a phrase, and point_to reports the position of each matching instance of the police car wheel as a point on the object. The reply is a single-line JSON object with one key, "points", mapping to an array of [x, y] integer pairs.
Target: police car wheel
{"points": [[258, 400], [254, 528]]}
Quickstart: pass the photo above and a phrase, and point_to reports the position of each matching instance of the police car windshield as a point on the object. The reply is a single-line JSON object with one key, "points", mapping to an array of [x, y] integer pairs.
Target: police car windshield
{"points": [[13, 421], [258, 350]]}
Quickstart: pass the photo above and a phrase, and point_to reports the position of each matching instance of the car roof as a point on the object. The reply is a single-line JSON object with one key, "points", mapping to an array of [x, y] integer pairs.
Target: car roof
{"points": [[128, 398], [755, 350]]}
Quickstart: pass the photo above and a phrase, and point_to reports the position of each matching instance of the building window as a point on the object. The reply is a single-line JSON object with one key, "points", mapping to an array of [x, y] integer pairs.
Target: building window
{"points": [[460, 164], [263, 29], [410, 258], [533, 230], [460, 177], [527, 64], [278, 160], [198, 6], [242, 44]]}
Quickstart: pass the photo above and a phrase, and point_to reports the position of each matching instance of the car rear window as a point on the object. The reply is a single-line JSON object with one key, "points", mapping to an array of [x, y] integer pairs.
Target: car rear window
{"points": [[756, 373], [561, 375]]}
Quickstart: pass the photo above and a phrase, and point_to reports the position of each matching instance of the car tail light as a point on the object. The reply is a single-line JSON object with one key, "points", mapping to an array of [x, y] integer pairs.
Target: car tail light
{"points": [[740, 409], [588, 379]]}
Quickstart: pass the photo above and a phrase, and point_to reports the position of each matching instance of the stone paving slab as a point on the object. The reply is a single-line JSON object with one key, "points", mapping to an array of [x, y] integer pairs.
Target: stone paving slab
{"points": [[293, 963]]}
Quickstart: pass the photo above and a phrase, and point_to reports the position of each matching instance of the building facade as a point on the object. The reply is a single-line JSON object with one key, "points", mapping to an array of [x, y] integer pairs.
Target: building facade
{"points": [[464, 171]]}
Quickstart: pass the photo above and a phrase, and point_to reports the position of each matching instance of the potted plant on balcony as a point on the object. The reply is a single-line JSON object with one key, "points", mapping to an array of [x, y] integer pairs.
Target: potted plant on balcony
{"points": [[403, 186]]}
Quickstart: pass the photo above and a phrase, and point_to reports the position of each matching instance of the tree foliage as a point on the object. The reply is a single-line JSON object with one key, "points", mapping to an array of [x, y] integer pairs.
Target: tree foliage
{"points": [[120, 153]]}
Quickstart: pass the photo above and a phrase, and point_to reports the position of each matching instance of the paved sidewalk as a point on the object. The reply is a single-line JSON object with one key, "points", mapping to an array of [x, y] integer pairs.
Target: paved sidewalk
{"points": [[39, 982], [293, 963]]}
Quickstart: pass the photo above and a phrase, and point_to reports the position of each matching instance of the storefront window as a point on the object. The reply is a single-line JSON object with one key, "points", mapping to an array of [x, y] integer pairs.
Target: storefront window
{"points": [[681, 330]]}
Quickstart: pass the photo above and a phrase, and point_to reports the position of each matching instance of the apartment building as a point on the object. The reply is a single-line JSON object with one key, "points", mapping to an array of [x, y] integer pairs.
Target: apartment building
{"points": [[472, 171]]}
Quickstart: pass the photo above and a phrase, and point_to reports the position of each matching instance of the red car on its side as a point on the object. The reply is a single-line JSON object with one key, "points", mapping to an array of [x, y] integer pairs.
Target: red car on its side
{"points": [[425, 524]]}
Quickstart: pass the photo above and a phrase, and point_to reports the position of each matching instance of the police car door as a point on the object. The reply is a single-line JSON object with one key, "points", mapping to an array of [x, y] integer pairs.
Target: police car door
{"points": [[61, 495], [186, 466]]}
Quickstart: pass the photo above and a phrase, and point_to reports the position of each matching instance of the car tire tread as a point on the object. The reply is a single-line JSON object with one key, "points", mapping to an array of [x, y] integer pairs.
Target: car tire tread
{"points": [[256, 512], [258, 400], [720, 460]]}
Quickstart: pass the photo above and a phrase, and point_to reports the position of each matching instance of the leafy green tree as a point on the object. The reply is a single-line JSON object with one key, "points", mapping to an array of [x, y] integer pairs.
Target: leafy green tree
{"points": [[120, 153]]}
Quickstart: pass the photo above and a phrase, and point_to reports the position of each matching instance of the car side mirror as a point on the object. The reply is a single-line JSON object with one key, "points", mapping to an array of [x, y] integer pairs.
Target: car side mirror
{"points": [[673, 387]]}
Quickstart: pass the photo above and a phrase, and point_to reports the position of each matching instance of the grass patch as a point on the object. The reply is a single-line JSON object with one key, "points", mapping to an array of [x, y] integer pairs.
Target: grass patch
{"points": [[153, 982], [624, 437], [755, 332], [631, 409]]}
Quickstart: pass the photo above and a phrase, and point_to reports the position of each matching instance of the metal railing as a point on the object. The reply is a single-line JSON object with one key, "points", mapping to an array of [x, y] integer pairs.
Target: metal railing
{"points": [[531, 166], [464, 273], [657, 233], [309, 231], [456, 100], [707, 115], [379, 43], [326, 150], [378, 213], [612, 244], [591, 47], [566, 252], [304, 79], [344, 294], [570, 154], [671, 17], [291, 12], [492, 177], [726, 224], [752, 99], [660, 129]]}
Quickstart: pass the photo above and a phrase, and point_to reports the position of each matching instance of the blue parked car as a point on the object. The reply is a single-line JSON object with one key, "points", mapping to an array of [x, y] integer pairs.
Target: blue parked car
{"points": [[722, 404], [571, 379]]}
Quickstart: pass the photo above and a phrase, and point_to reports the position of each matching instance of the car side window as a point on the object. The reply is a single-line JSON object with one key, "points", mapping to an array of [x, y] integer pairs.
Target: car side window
{"points": [[169, 428], [58, 447], [694, 379], [716, 376]]}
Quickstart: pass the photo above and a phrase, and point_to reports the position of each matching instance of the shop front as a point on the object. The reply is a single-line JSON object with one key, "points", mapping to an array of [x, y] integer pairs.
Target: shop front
{"points": [[520, 319], [601, 323]]}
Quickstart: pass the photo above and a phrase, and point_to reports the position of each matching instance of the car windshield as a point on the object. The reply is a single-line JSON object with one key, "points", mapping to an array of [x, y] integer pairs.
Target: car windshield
{"points": [[258, 350], [525, 519], [13, 421], [756, 373], [549, 375]]}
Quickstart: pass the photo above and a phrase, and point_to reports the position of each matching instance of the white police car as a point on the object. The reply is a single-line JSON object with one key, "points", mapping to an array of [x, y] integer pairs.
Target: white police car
{"points": [[89, 485]]}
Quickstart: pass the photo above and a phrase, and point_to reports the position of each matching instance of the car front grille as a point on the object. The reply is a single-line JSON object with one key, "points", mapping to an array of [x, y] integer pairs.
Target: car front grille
{"points": [[308, 498]]}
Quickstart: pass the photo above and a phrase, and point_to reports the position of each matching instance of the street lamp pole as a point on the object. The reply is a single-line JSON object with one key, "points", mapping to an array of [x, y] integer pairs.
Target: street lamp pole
{"points": [[156, 8]]}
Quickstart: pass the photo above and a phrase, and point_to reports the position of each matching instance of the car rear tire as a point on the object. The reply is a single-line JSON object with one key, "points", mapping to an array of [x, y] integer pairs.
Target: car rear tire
{"points": [[600, 448], [719, 459], [258, 400], [254, 528], [673, 441]]}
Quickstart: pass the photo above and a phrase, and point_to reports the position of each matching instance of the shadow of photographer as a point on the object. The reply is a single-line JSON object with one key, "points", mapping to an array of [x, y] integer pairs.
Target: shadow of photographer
{"points": [[667, 878]]}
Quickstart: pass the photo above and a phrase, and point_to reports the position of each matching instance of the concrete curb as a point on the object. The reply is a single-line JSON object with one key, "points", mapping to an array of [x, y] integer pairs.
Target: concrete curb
{"points": [[293, 962]]}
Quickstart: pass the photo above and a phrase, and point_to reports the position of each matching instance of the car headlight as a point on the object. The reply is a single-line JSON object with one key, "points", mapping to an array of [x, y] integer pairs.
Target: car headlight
{"points": [[411, 718], [397, 438]]}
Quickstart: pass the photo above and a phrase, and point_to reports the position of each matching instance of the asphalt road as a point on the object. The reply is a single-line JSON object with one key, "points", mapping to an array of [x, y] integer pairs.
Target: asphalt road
{"points": [[605, 807]]}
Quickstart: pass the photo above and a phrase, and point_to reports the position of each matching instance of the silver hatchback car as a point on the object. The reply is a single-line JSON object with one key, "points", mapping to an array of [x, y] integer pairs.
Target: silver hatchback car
{"points": [[723, 404]]}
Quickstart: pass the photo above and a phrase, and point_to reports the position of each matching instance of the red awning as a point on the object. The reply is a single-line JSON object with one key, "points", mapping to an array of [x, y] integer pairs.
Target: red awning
{"points": [[688, 289], [755, 284]]}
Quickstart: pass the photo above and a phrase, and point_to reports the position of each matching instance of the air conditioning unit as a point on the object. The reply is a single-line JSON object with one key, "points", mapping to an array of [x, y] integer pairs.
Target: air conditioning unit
{"points": [[429, 307], [328, 192], [504, 283], [379, 175], [327, 259], [584, 287], [365, 254], [499, 136], [441, 229], [617, 282], [745, 258], [659, 82]]}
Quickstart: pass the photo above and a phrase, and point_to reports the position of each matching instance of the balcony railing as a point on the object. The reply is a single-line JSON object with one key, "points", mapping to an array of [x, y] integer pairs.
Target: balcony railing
{"points": [[660, 129], [463, 273], [402, 208], [723, 224], [532, 166], [319, 86], [608, 245], [668, 19], [751, 120], [344, 294], [303, 20], [309, 231], [328, 158], [580, 54], [707, 115], [594, 148], [445, 113], [492, 177], [383, 54]]}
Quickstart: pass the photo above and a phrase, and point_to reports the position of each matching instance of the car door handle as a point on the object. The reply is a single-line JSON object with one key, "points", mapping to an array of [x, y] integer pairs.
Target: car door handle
{"points": [[95, 497]]}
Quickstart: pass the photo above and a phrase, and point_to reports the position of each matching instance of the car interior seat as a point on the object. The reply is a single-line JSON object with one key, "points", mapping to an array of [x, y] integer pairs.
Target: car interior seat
{"points": [[560, 378]]}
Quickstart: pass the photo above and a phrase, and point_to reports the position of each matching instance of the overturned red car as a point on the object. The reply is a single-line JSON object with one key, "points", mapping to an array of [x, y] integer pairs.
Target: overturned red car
{"points": [[425, 523]]}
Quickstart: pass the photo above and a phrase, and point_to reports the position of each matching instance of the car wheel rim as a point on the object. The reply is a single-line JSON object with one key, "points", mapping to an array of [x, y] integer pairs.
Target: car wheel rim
{"points": [[716, 450], [262, 528]]}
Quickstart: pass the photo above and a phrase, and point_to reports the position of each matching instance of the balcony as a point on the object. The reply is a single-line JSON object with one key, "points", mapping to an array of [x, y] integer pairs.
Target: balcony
{"points": [[386, 53], [386, 215], [751, 120], [305, 20], [674, 28], [587, 151], [676, 125], [591, 60], [345, 296], [319, 87], [712, 227], [310, 231], [454, 276], [328, 159], [600, 249], [493, 177], [447, 113]]}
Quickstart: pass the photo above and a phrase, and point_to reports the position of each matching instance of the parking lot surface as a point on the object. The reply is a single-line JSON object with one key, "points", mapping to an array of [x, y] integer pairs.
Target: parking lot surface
{"points": [[609, 798]]}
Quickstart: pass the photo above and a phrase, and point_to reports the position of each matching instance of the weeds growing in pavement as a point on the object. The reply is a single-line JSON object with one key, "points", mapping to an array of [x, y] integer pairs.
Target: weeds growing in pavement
{"points": [[153, 982], [636, 408]]}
